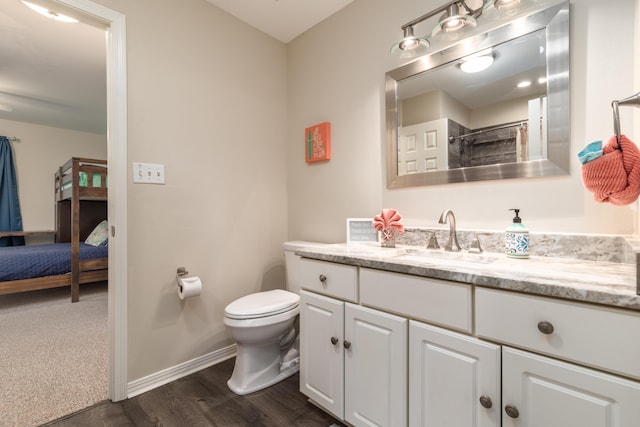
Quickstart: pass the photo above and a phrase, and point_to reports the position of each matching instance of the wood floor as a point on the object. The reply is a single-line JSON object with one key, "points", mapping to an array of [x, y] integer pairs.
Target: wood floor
{"points": [[203, 399]]}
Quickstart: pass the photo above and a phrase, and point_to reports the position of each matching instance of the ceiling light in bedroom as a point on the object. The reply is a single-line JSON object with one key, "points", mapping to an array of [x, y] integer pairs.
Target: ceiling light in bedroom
{"points": [[49, 13]]}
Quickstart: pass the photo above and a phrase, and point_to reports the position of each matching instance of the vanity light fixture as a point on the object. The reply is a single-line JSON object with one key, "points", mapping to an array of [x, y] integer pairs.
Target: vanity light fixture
{"points": [[456, 16], [49, 13], [452, 20], [410, 45]]}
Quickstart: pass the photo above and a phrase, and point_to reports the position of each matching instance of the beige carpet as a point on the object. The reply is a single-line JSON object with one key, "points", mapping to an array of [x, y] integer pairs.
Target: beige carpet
{"points": [[53, 354]]}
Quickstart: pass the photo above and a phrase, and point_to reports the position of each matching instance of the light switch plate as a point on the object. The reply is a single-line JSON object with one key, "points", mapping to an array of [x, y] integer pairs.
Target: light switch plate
{"points": [[148, 173]]}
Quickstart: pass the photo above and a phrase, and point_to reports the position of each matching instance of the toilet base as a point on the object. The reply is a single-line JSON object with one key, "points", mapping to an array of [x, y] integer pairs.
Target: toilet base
{"points": [[256, 384], [257, 368]]}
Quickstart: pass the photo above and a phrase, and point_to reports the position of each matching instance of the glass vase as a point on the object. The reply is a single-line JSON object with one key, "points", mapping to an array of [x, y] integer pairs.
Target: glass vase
{"points": [[388, 238]]}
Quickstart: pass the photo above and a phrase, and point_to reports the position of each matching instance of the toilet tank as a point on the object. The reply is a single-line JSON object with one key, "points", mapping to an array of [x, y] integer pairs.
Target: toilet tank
{"points": [[292, 262]]}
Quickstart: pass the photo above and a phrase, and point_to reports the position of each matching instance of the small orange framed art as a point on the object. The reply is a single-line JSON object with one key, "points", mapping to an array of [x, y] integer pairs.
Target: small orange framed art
{"points": [[317, 142]]}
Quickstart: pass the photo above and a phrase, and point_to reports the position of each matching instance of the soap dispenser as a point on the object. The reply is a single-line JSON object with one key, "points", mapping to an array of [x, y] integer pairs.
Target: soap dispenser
{"points": [[517, 238]]}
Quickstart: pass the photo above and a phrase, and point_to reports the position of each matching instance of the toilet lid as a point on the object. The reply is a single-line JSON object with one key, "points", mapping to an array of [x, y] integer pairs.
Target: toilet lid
{"points": [[262, 304]]}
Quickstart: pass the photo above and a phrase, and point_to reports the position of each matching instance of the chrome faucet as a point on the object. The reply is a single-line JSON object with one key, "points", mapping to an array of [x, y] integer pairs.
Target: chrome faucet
{"points": [[452, 245]]}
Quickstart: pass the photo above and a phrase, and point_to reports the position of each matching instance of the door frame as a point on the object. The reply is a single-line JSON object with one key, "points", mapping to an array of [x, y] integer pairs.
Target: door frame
{"points": [[115, 26]]}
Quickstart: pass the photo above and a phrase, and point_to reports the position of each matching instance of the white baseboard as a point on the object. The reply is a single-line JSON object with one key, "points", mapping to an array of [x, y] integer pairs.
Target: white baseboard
{"points": [[165, 376]]}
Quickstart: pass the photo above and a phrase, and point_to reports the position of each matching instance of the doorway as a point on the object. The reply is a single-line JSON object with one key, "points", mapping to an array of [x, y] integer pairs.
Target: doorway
{"points": [[115, 25]]}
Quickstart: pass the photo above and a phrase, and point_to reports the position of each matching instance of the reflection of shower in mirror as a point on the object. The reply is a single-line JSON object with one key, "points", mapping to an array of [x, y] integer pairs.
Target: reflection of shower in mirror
{"points": [[504, 143]]}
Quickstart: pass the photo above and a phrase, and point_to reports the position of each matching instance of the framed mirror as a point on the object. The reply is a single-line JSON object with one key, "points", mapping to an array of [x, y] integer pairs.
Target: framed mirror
{"points": [[445, 124]]}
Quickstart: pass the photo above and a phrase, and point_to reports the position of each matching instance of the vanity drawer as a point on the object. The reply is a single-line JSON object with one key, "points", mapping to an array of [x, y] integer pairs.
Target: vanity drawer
{"points": [[336, 280], [600, 337], [432, 300]]}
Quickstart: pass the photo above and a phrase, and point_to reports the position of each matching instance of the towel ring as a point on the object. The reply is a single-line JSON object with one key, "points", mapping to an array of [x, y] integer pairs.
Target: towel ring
{"points": [[616, 123], [633, 100]]}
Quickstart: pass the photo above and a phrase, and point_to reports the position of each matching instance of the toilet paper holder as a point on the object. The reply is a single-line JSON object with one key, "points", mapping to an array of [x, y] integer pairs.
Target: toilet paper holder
{"points": [[180, 273], [187, 286]]}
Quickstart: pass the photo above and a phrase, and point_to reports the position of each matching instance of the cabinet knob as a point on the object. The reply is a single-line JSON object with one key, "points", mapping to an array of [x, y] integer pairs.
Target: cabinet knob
{"points": [[512, 411], [486, 402], [334, 340], [347, 344], [545, 327], [323, 278]]}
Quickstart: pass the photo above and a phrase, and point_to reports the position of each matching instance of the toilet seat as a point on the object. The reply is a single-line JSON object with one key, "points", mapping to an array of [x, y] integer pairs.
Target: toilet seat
{"points": [[262, 304]]}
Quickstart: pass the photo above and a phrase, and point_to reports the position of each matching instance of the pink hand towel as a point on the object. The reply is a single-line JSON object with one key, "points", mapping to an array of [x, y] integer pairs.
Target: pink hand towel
{"points": [[615, 176]]}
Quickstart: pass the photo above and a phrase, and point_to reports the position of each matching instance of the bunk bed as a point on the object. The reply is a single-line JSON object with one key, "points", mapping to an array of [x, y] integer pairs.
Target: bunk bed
{"points": [[80, 205]]}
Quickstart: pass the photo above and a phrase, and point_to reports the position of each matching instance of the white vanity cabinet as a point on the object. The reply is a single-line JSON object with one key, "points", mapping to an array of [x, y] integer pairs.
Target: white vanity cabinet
{"points": [[562, 390], [381, 348], [454, 379], [375, 367], [353, 358], [539, 391], [353, 361], [322, 351]]}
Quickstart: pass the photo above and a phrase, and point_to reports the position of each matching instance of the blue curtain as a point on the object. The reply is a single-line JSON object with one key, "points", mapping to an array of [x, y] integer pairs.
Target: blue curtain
{"points": [[10, 218]]}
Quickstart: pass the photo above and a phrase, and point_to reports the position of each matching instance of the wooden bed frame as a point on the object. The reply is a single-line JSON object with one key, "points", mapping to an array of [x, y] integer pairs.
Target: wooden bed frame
{"points": [[78, 210]]}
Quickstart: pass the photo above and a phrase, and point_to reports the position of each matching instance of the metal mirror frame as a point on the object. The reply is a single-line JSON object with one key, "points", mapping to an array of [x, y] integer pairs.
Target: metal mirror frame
{"points": [[555, 20]]}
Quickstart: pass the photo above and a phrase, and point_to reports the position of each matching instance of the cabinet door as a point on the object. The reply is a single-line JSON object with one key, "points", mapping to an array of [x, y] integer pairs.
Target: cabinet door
{"points": [[549, 393], [375, 363], [321, 351], [454, 379]]}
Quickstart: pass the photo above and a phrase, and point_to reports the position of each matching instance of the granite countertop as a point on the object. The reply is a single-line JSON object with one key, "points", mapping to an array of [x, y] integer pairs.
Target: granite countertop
{"points": [[606, 283]]}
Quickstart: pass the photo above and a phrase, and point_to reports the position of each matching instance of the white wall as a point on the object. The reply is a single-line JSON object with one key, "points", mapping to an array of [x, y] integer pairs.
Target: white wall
{"points": [[38, 154], [206, 98], [504, 112], [336, 73]]}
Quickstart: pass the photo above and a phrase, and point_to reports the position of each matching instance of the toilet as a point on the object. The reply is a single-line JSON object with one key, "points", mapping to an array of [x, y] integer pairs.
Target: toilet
{"points": [[264, 327]]}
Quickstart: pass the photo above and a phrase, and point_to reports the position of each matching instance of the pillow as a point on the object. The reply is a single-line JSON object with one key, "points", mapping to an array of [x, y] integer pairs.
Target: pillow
{"points": [[99, 236]]}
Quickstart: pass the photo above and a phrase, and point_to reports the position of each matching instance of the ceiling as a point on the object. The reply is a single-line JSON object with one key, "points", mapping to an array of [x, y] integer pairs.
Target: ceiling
{"points": [[51, 73], [283, 20], [54, 73]]}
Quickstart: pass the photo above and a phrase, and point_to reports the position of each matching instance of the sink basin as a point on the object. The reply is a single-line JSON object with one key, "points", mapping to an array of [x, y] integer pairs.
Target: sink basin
{"points": [[449, 258]]}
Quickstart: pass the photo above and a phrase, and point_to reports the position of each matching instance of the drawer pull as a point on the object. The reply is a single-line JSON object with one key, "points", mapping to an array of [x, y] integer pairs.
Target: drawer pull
{"points": [[486, 402], [512, 411], [545, 327], [323, 279], [334, 340], [347, 344]]}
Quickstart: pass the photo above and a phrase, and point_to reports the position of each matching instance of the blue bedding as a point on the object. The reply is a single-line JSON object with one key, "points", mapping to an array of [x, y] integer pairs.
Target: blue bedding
{"points": [[25, 262]]}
